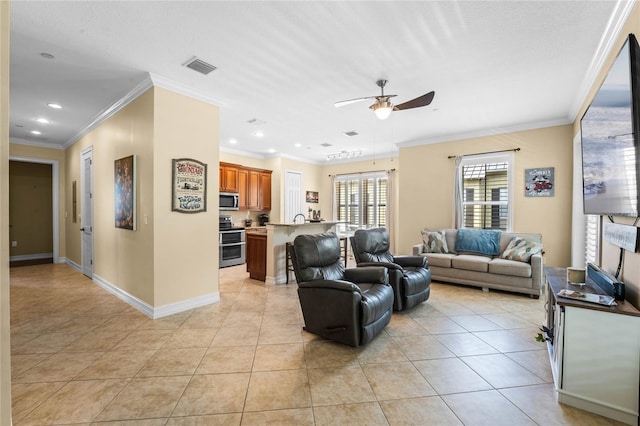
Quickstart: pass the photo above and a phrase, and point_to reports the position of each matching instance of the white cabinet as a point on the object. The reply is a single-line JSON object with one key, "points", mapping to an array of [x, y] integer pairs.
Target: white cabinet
{"points": [[595, 353]]}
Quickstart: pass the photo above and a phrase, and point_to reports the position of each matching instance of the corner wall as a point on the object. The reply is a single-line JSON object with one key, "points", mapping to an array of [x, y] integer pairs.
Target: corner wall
{"points": [[426, 192], [609, 253], [186, 251], [5, 344]]}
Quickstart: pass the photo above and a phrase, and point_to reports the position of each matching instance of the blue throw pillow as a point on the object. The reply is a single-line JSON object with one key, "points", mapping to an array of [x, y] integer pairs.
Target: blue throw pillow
{"points": [[481, 241]]}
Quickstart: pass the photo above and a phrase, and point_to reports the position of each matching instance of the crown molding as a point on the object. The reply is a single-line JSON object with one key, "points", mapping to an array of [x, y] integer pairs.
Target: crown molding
{"points": [[181, 89], [485, 132], [20, 141], [605, 47], [103, 115]]}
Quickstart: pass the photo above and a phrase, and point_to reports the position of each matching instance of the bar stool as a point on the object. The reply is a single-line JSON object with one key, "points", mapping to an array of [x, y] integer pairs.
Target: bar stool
{"points": [[344, 243], [288, 263]]}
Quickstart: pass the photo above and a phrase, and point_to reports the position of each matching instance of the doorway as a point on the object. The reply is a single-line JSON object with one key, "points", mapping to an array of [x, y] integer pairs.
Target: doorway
{"points": [[52, 226], [293, 195], [86, 220]]}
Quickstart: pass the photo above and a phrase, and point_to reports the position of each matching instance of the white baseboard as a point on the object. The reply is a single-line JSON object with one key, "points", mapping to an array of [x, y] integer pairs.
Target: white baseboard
{"points": [[30, 257], [71, 263], [160, 311]]}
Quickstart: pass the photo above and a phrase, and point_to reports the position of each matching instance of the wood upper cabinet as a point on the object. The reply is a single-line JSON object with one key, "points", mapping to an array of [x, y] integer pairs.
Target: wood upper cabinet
{"points": [[228, 178], [265, 190], [252, 185], [254, 190], [243, 189]]}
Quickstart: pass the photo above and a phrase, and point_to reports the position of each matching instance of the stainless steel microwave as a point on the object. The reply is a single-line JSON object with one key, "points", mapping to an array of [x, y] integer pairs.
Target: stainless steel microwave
{"points": [[229, 201]]}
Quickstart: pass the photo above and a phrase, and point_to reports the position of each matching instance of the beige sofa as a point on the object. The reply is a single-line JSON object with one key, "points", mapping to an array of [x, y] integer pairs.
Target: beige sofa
{"points": [[516, 273]]}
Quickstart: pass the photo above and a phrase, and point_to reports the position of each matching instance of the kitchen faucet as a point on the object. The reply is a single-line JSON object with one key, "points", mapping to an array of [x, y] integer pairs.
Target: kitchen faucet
{"points": [[296, 216]]}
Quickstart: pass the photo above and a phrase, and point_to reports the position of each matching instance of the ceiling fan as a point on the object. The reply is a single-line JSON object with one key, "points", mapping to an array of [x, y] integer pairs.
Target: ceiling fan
{"points": [[383, 106]]}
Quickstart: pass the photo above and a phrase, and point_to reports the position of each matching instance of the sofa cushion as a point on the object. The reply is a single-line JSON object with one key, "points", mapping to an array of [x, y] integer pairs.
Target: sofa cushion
{"points": [[481, 241], [434, 242], [440, 259], [510, 267], [521, 250], [471, 262]]}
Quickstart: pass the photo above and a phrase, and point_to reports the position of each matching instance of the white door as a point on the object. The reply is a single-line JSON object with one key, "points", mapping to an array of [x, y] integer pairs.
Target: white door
{"points": [[293, 195], [86, 220]]}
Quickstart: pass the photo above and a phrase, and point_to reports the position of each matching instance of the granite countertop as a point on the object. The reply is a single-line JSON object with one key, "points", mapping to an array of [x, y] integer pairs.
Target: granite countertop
{"points": [[256, 230]]}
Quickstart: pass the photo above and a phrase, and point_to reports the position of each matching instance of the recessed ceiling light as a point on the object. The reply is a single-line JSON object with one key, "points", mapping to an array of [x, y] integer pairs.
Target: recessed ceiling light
{"points": [[258, 134], [42, 120], [233, 141], [271, 150], [47, 55], [298, 145], [36, 132], [54, 106]]}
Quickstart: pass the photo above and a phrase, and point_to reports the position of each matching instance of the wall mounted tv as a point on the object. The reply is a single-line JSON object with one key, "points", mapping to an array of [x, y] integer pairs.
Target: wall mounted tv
{"points": [[609, 129]]}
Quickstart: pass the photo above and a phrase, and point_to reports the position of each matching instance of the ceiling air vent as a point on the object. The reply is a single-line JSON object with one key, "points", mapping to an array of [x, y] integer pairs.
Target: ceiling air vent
{"points": [[351, 133], [326, 144], [199, 65]]}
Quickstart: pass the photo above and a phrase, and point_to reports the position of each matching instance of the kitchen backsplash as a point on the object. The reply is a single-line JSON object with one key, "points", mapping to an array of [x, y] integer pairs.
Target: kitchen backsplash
{"points": [[238, 217]]}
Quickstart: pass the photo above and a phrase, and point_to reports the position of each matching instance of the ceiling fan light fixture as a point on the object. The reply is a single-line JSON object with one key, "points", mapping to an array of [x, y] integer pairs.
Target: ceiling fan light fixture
{"points": [[382, 109]]}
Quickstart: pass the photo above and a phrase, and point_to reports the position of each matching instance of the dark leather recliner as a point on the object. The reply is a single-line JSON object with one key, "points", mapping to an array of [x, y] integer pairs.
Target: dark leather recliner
{"points": [[409, 276], [349, 306]]}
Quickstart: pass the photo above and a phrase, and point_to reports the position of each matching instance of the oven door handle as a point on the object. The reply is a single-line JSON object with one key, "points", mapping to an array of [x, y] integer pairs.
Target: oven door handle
{"points": [[233, 244]]}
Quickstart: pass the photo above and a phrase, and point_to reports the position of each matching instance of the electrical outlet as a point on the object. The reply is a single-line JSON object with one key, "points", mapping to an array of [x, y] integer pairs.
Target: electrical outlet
{"points": [[14, 244]]}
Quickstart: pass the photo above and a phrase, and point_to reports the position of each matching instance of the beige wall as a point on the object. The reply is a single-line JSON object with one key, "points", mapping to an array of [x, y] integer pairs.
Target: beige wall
{"points": [[30, 213], [186, 245], [53, 155], [610, 254], [426, 190], [122, 258], [5, 352], [170, 257]]}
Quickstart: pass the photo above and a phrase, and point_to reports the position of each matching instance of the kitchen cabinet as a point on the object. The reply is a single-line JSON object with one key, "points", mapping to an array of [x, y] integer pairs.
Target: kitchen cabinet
{"points": [[243, 189], [256, 255], [254, 190], [228, 178], [252, 185], [265, 190]]}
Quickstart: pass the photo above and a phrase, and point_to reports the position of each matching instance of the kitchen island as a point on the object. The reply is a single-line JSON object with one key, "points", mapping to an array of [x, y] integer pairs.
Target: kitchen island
{"points": [[278, 234]]}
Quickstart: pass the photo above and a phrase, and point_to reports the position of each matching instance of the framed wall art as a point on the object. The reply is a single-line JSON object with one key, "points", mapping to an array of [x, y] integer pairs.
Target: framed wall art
{"points": [[539, 182], [312, 196], [125, 192], [189, 192]]}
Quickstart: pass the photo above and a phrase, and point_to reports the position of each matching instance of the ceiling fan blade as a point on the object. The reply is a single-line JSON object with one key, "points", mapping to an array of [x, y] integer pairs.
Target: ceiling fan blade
{"points": [[420, 101], [351, 101]]}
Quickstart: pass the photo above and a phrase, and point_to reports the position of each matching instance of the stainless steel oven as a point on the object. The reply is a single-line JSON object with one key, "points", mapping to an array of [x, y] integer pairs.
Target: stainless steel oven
{"points": [[232, 243]]}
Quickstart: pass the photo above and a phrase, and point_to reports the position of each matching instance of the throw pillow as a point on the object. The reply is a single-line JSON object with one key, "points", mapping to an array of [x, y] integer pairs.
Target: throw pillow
{"points": [[434, 242], [479, 241], [521, 250]]}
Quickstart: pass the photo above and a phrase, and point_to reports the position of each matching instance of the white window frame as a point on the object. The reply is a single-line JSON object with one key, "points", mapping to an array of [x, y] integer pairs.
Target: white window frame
{"points": [[360, 177], [506, 157]]}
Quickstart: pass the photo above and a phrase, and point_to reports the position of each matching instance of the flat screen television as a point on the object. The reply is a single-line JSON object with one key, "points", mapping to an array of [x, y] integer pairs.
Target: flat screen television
{"points": [[609, 129]]}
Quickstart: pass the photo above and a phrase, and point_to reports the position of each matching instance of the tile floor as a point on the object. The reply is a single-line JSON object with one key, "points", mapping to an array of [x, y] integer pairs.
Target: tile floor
{"points": [[82, 356]]}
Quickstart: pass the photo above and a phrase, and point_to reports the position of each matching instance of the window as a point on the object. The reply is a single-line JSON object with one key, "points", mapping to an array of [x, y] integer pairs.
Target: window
{"points": [[361, 199], [591, 238], [486, 191]]}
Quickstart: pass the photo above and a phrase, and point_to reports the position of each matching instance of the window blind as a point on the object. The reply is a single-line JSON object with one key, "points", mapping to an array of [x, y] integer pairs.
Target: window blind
{"points": [[486, 200]]}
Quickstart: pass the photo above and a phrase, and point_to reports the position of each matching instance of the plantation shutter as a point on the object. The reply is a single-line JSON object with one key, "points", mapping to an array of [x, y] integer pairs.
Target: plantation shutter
{"points": [[591, 239]]}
